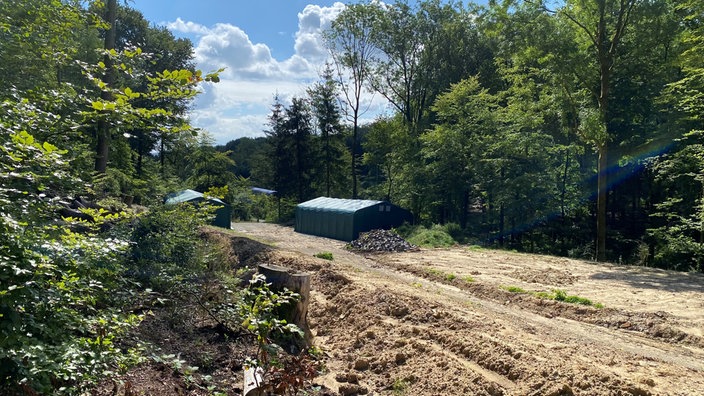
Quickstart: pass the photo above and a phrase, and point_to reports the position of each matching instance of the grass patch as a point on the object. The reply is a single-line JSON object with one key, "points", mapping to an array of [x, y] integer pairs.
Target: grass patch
{"points": [[514, 289], [440, 274], [399, 387], [324, 255], [468, 279], [434, 237], [555, 294]]}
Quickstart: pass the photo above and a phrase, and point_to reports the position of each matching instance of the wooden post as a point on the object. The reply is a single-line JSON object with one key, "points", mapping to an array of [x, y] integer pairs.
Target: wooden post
{"points": [[282, 277]]}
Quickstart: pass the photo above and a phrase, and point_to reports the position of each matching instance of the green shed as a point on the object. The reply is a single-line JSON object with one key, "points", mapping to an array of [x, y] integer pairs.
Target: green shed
{"points": [[344, 219], [223, 213]]}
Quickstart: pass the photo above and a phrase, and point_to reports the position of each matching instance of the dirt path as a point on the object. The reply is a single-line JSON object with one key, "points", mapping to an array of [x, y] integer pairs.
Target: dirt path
{"points": [[440, 322]]}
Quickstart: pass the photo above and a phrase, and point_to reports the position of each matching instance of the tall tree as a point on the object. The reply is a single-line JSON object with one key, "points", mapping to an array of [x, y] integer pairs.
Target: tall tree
{"points": [[350, 43], [102, 149], [677, 233], [279, 152], [162, 51], [600, 25], [456, 148], [326, 109], [298, 123]]}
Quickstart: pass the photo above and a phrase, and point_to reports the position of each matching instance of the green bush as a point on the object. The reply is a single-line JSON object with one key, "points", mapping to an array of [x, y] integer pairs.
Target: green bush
{"points": [[434, 238], [61, 293], [324, 255], [166, 244], [455, 231]]}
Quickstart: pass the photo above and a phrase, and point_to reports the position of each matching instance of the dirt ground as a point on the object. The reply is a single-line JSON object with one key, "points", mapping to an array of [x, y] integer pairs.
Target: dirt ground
{"points": [[441, 322]]}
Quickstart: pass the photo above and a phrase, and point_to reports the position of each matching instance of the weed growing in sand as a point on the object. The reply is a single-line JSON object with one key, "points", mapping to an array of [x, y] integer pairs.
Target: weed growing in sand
{"points": [[468, 279], [434, 272], [514, 289], [399, 387], [561, 295], [324, 255], [555, 294]]}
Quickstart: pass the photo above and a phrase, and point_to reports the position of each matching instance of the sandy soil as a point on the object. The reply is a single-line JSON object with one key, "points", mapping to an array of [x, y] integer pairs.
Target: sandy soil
{"points": [[441, 322]]}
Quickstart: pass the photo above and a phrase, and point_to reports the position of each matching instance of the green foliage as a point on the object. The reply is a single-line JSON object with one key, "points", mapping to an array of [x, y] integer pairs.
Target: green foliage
{"points": [[61, 292], [399, 387], [449, 277], [435, 237], [259, 312], [166, 247], [324, 255], [514, 289], [555, 294]]}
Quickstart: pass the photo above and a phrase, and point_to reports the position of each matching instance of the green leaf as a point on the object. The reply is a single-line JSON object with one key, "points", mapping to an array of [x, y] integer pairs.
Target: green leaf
{"points": [[48, 147]]}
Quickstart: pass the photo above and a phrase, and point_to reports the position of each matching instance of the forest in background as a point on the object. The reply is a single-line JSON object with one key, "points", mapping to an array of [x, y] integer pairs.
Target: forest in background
{"points": [[573, 130]]}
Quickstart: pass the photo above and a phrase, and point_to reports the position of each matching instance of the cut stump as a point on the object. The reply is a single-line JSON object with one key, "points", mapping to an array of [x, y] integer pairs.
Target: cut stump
{"points": [[283, 278]]}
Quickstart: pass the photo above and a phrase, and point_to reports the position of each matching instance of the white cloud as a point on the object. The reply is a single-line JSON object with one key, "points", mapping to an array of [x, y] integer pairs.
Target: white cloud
{"points": [[239, 105], [182, 26], [311, 23], [236, 108]]}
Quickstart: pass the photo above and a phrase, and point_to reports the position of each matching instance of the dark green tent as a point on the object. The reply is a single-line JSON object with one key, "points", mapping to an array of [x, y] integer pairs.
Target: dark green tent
{"points": [[344, 219], [223, 213]]}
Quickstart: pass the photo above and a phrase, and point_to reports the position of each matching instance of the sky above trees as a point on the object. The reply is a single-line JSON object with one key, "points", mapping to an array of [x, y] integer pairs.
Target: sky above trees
{"points": [[268, 47]]}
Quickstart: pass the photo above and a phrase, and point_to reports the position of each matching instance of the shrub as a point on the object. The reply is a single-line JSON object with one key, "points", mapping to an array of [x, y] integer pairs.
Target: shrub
{"points": [[166, 246], [61, 293], [455, 231], [324, 255], [434, 238]]}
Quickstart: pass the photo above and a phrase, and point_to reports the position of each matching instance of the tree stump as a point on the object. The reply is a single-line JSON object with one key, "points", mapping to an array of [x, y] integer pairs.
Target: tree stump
{"points": [[282, 277]]}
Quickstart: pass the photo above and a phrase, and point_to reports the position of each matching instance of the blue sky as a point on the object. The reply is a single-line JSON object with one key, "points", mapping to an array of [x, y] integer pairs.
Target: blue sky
{"points": [[266, 46]]}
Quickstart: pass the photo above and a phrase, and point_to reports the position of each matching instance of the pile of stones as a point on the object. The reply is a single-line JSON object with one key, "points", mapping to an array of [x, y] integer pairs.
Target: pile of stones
{"points": [[381, 241]]}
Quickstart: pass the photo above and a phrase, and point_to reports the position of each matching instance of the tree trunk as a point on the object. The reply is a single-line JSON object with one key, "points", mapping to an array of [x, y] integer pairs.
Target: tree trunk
{"points": [[602, 187], [501, 224], [355, 132], [103, 146], [465, 209], [280, 278]]}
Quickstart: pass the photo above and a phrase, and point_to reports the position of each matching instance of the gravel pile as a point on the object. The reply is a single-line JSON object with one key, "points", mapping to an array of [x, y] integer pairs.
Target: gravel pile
{"points": [[381, 241]]}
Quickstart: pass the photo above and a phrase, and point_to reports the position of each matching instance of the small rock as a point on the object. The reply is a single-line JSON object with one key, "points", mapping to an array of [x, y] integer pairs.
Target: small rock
{"points": [[626, 325], [352, 389], [353, 378], [400, 358], [341, 377], [399, 312], [361, 364]]}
